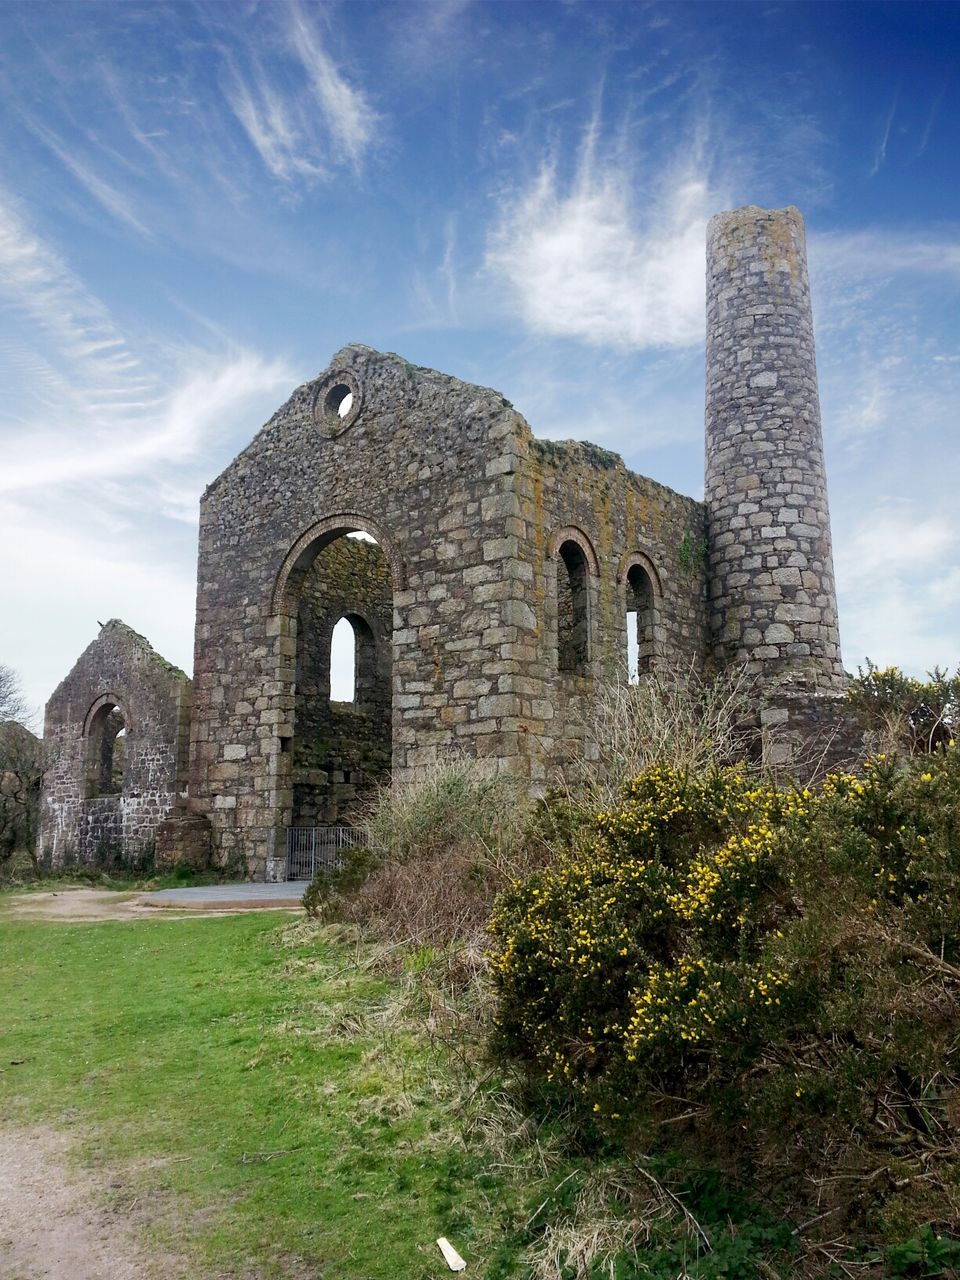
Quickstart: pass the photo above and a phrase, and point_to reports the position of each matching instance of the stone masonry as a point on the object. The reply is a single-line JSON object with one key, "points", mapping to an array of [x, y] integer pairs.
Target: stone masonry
{"points": [[773, 602], [341, 749], [94, 805], [478, 523], [495, 586]]}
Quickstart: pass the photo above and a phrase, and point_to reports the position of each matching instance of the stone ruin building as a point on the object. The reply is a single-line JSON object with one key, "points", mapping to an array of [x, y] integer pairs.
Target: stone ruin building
{"points": [[493, 582]]}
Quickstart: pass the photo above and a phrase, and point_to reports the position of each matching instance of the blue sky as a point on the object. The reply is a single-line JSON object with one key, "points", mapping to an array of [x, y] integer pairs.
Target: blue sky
{"points": [[200, 203]]}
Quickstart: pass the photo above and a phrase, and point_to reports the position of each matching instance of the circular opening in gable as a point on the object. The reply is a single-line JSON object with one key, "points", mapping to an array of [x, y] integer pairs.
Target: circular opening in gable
{"points": [[338, 403], [339, 400]]}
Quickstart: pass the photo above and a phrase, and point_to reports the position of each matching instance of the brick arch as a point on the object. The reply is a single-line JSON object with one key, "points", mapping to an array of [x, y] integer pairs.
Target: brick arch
{"points": [[570, 533], [301, 555], [633, 559], [105, 700]]}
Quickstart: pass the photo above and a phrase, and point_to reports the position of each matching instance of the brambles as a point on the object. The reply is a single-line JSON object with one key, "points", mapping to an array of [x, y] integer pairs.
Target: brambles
{"points": [[440, 850]]}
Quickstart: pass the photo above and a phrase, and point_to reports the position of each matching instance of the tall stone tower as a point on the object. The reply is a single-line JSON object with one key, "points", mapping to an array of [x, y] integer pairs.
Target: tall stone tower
{"points": [[772, 597], [773, 604]]}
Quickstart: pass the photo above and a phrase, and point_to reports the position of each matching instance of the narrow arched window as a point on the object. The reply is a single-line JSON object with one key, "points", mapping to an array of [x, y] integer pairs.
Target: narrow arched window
{"points": [[105, 751], [573, 627], [343, 662], [353, 661], [641, 622]]}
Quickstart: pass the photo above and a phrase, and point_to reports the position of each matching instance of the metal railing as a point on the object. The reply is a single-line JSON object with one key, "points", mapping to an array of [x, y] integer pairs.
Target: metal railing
{"points": [[313, 849]]}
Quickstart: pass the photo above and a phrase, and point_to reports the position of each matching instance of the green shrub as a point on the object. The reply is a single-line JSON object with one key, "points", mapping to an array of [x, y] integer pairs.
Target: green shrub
{"points": [[324, 894], [441, 848], [905, 714], [772, 975]]}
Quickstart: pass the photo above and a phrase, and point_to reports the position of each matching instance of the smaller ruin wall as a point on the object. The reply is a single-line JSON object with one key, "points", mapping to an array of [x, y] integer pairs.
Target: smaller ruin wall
{"points": [[81, 817]]}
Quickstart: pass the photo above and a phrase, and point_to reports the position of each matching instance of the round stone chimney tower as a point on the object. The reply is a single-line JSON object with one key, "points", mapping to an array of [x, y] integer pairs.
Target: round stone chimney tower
{"points": [[772, 596]]}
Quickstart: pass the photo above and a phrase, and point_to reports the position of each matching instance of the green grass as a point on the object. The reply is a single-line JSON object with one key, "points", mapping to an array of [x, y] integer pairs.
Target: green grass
{"points": [[245, 1083], [276, 1110]]}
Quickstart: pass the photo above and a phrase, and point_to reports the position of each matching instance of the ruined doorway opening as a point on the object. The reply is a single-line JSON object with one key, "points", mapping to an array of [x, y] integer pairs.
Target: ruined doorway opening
{"points": [[106, 743], [342, 717], [641, 623]]}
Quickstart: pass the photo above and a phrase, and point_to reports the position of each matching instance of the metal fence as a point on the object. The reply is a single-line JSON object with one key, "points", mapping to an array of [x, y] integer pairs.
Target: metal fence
{"points": [[313, 849]]}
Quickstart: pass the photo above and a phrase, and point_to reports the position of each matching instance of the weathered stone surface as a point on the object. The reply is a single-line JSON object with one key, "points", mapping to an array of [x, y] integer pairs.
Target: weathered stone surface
{"points": [[87, 809], [184, 841], [764, 445], [473, 516]]}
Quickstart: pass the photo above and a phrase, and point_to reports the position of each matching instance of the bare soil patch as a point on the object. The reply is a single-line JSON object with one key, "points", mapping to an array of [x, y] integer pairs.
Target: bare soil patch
{"points": [[54, 1224], [79, 906], [76, 905]]}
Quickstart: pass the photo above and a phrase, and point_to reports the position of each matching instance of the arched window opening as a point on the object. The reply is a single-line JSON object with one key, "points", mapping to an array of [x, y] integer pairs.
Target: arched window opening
{"points": [[641, 623], [107, 738], [353, 661], [343, 663], [573, 628]]}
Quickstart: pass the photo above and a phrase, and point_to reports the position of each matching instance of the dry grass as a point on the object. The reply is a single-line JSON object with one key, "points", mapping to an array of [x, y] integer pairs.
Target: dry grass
{"points": [[619, 1209], [672, 716], [443, 847]]}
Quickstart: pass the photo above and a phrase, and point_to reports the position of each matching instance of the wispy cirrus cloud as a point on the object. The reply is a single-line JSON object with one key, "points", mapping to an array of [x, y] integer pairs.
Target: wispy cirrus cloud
{"points": [[349, 117], [587, 260], [301, 113], [91, 405], [107, 444], [879, 253], [274, 127], [114, 201], [880, 155], [37, 283]]}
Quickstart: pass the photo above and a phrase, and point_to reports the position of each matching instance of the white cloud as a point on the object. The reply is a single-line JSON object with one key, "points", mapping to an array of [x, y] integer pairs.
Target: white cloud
{"points": [[305, 130], [269, 124], [35, 280], [116, 413], [104, 460], [585, 262], [898, 588], [113, 201], [877, 254], [203, 400], [881, 153], [350, 118]]}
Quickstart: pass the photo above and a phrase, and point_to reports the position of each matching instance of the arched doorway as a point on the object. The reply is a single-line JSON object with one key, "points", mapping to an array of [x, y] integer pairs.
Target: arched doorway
{"points": [[336, 591]]}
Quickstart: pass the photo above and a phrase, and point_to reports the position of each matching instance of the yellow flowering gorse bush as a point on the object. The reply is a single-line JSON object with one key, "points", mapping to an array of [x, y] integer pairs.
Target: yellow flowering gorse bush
{"points": [[642, 946], [702, 920]]}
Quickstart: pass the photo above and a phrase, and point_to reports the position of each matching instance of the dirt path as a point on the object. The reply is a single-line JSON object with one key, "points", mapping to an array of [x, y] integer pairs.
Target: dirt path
{"points": [[53, 1222], [78, 906], [75, 905]]}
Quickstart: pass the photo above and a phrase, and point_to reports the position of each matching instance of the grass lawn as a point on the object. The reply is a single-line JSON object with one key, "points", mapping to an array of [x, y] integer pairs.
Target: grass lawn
{"points": [[246, 1078]]}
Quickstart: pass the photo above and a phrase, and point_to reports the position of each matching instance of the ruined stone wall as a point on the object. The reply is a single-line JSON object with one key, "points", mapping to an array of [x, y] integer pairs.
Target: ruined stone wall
{"points": [[577, 492], [772, 600], [417, 462], [154, 697], [341, 750], [469, 510]]}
